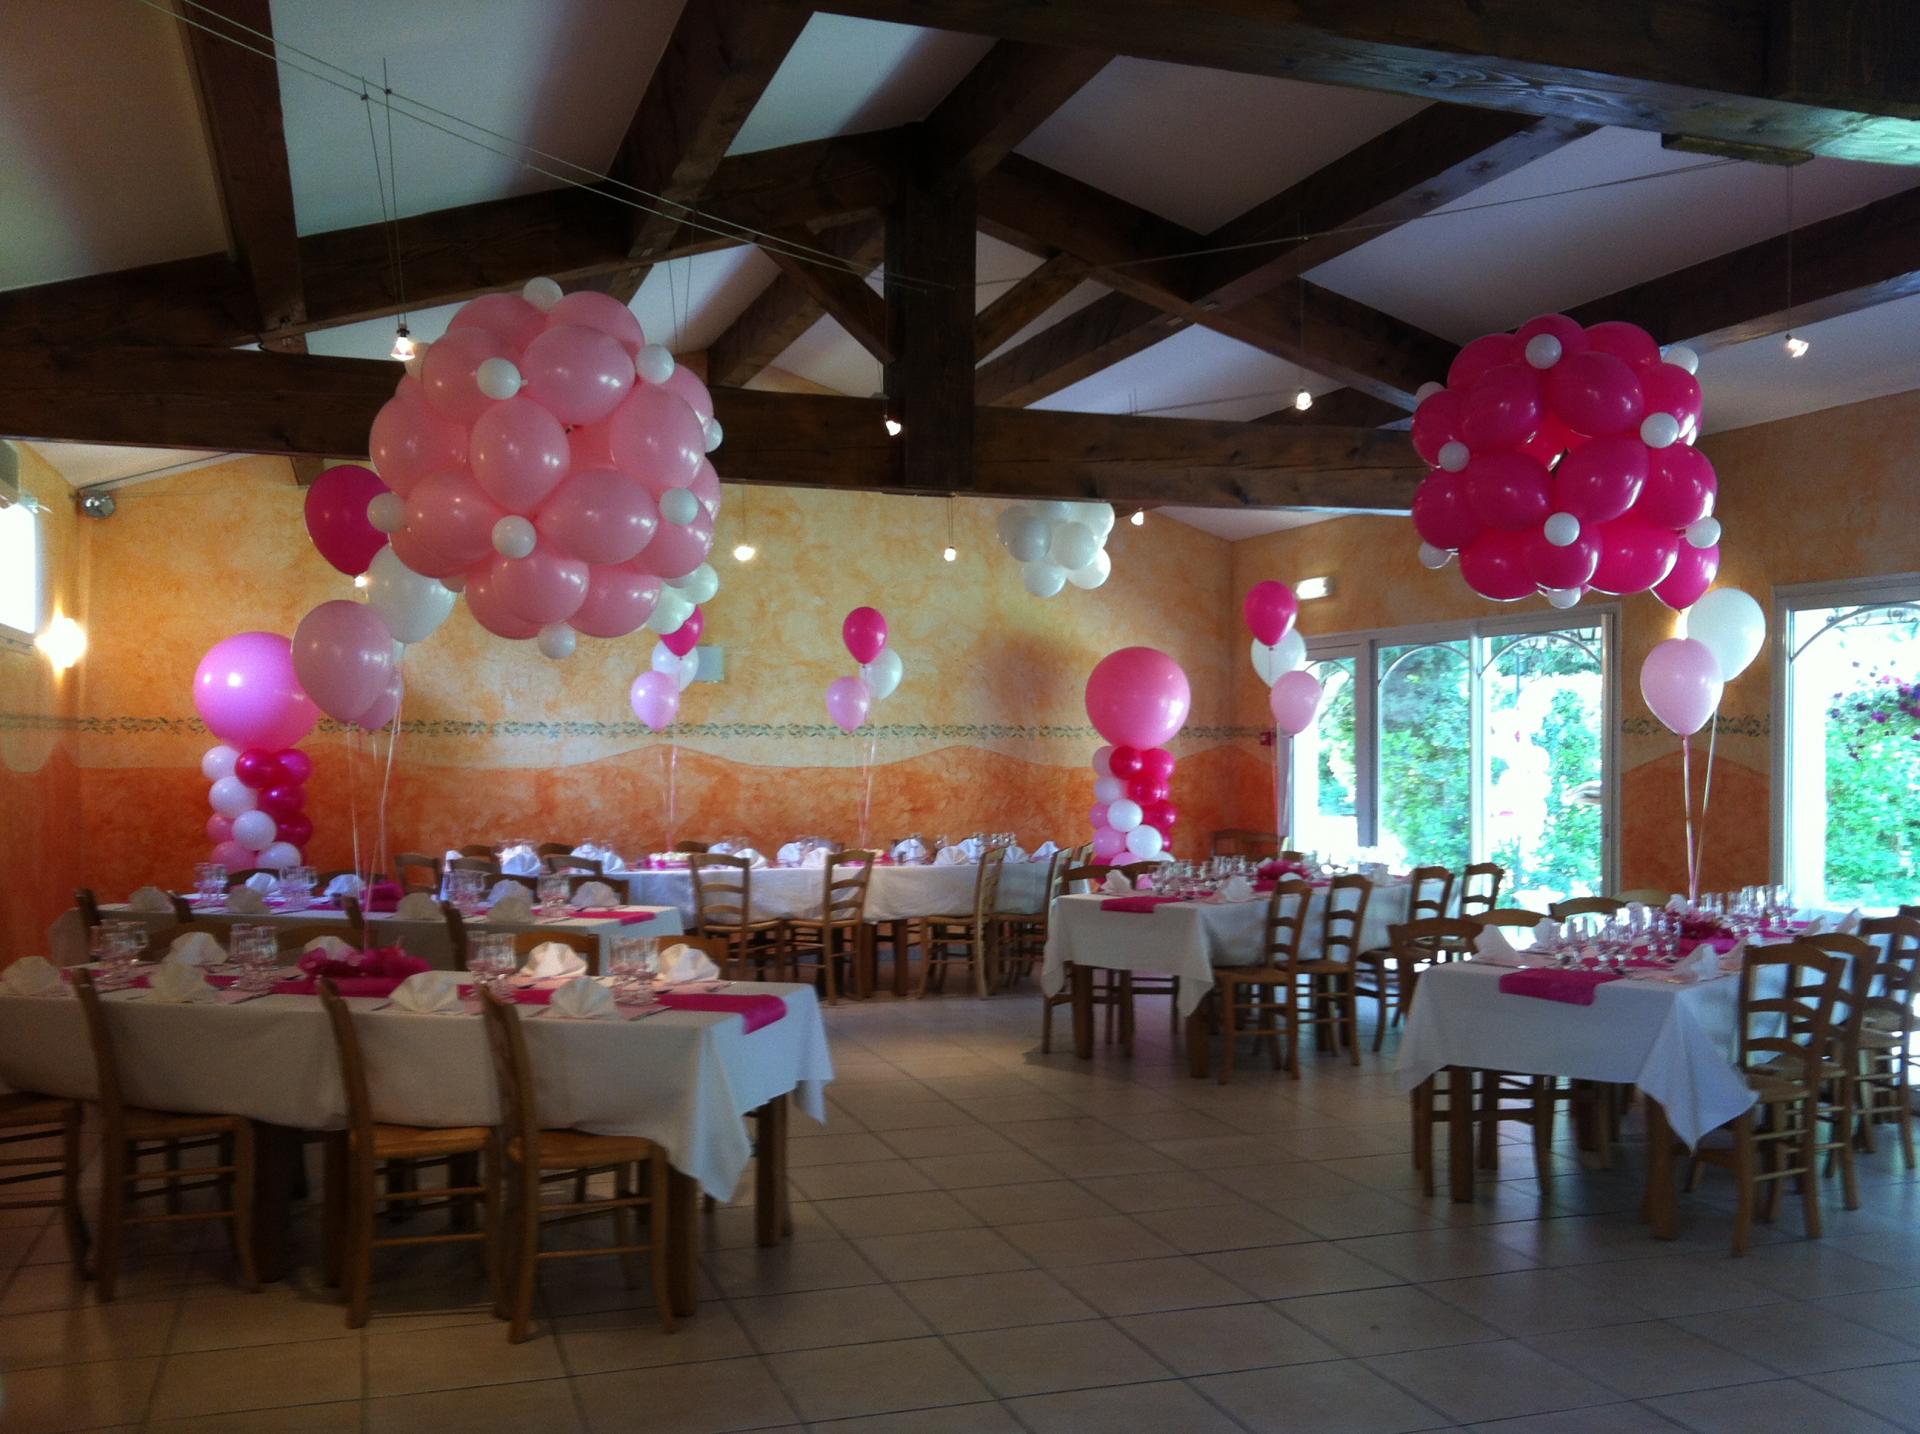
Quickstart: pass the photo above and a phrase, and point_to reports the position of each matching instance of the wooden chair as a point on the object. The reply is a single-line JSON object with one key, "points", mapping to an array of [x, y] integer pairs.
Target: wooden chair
{"points": [[1342, 925], [1389, 974], [88, 905], [1022, 935], [1077, 872], [1655, 896], [1265, 991], [26, 1118], [129, 1134], [1515, 916], [964, 939], [1586, 906], [555, 848], [1431, 895], [417, 871], [566, 864], [487, 865], [487, 851], [723, 907], [359, 1155], [692, 848], [456, 934], [533, 1156], [1480, 887], [839, 932], [1528, 1099], [1885, 987]]}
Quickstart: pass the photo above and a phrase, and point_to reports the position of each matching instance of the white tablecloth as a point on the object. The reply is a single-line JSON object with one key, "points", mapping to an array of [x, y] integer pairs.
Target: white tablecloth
{"points": [[1190, 938], [897, 893], [1676, 1042], [682, 1078]]}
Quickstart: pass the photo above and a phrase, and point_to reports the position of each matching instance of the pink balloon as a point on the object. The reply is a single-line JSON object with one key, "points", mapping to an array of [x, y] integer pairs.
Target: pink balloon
{"points": [[520, 453], [849, 699], [706, 487], [1506, 490], [1125, 761], [1682, 684], [619, 601], [409, 441], [413, 549], [1504, 407], [1156, 764], [655, 697], [1680, 487], [1294, 701], [599, 516], [1270, 610], [1573, 338], [343, 654], [295, 766], [1108, 843], [1693, 573], [678, 549], [257, 768], [1634, 555], [336, 514], [1494, 565], [490, 610], [588, 444], [219, 828], [1138, 697], [249, 694], [657, 438], [576, 373], [540, 588], [1441, 514], [1602, 479], [1671, 389], [1098, 817], [1436, 423], [1552, 567], [1629, 343], [382, 711], [508, 317], [233, 856], [453, 519], [283, 800], [1487, 352], [591, 309], [685, 382], [446, 373], [1550, 441], [865, 633], [1595, 393], [684, 638]]}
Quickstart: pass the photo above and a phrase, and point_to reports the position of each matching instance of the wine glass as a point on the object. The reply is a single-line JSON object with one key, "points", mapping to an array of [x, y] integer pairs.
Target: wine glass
{"points": [[553, 892]]}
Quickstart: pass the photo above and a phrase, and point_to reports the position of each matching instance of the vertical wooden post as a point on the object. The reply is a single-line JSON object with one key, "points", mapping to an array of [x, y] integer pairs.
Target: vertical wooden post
{"points": [[929, 284]]}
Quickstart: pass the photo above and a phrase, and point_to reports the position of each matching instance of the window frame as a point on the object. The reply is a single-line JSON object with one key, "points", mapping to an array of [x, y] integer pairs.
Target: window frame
{"points": [[11, 637]]}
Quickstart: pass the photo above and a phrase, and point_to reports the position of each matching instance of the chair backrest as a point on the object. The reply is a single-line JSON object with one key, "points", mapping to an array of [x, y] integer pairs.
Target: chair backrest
{"points": [[1480, 887], [1057, 865], [986, 885], [1646, 895], [356, 919], [106, 1064], [513, 1079], [691, 848], [1792, 1023], [1134, 870], [1086, 875], [1432, 891], [353, 1069], [488, 864], [585, 943], [1858, 959], [480, 849], [1292, 857], [1287, 907], [1342, 921], [722, 890], [1507, 916], [1888, 983], [456, 934], [408, 862], [1244, 841], [88, 904], [1586, 906], [576, 880], [555, 848], [848, 874], [1434, 939], [556, 861]]}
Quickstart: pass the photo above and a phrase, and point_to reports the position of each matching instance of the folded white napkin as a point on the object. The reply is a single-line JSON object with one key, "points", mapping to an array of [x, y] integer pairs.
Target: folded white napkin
{"points": [[816, 859], [1044, 852], [590, 851], [427, 993], [951, 856], [789, 854], [520, 861], [1703, 964], [1493, 944], [583, 999], [246, 900], [754, 859], [196, 948], [31, 976], [516, 909], [503, 889], [417, 906], [452, 856], [910, 850], [1016, 853], [680, 963], [262, 882], [974, 848], [1118, 883], [1546, 934], [1815, 926], [332, 947], [150, 898], [175, 981], [1849, 924], [594, 893], [1237, 888], [553, 958], [346, 884]]}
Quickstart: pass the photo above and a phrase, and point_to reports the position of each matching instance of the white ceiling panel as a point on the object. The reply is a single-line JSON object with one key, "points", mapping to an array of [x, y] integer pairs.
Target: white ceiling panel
{"points": [[85, 465], [825, 355], [1195, 373], [1853, 358], [687, 303]]}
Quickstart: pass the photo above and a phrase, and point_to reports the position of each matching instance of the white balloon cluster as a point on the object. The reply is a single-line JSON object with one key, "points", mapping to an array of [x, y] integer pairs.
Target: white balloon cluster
{"points": [[1289, 654], [1057, 543]]}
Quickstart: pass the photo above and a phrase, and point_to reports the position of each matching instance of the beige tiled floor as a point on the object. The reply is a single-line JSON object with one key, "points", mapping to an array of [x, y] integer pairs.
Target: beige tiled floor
{"points": [[989, 1241]]}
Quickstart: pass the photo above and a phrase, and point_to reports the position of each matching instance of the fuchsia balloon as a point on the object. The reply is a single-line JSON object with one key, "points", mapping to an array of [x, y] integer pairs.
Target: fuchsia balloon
{"points": [[1681, 683], [655, 698], [1602, 479], [1271, 609], [409, 440], [684, 638], [1436, 423], [599, 516], [447, 372], [865, 633], [249, 694], [1629, 343], [1572, 337], [282, 801], [1126, 762], [1441, 513], [1138, 696], [1506, 490], [1156, 763], [1668, 388], [1634, 555], [1595, 393], [1494, 565], [1486, 352], [508, 317], [849, 699], [1552, 439], [336, 514], [257, 768], [591, 309], [1693, 573], [540, 588], [519, 453], [1162, 816], [296, 830], [1504, 407], [1556, 567], [577, 374], [295, 766], [1680, 487], [343, 654], [619, 600], [452, 518]]}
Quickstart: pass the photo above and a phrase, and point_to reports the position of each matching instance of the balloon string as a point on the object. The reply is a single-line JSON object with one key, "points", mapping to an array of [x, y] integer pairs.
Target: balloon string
{"points": [[1282, 779], [1686, 807], [353, 801], [1706, 796], [673, 781], [386, 783], [866, 802]]}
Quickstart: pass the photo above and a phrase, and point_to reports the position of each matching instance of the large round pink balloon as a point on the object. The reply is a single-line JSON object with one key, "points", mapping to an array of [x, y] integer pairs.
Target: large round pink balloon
{"points": [[1634, 555], [576, 373], [1558, 567], [1680, 487], [336, 514], [599, 516], [490, 610], [1486, 352], [592, 309], [1441, 514], [508, 317], [619, 601], [1494, 565], [1572, 337], [655, 698], [1671, 389], [1138, 697], [409, 440], [685, 382], [1629, 343], [849, 699], [657, 438], [384, 707], [1601, 479], [343, 654], [446, 373], [1506, 490], [1595, 393], [1270, 610], [1503, 408], [540, 588], [1294, 701], [249, 694], [520, 453], [1436, 423], [678, 549], [1682, 684], [706, 487], [450, 516], [412, 547]]}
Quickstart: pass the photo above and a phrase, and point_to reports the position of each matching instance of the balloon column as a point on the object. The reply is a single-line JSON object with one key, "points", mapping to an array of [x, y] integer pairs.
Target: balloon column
{"points": [[1564, 464], [1138, 699], [249, 696], [1057, 543], [851, 699]]}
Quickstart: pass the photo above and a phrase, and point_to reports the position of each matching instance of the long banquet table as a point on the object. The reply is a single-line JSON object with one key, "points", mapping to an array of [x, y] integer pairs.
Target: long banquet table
{"points": [[896, 893]]}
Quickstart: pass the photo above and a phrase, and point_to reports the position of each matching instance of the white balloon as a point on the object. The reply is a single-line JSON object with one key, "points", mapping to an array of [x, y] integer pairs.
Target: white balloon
{"points": [[230, 797], [1563, 597], [412, 606], [514, 536], [1099, 517], [1103, 762], [883, 674], [1042, 579], [557, 640], [654, 363], [1145, 842], [1732, 626], [700, 585], [1543, 351], [1426, 391], [665, 659], [1073, 546], [254, 830], [689, 669], [498, 378], [387, 513], [1291, 651], [1704, 533], [543, 294], [1009, 521], [1454, 456], [670, 612], [1561, 529], [1125, 814], [1094, 573], [1680, 356], [280, 856], [1031, 536], [716, 435], [1266, 662], [1435, 558], [1659, 430], [677, 505], [1109, 789], [1054, 510], [217, 762]]}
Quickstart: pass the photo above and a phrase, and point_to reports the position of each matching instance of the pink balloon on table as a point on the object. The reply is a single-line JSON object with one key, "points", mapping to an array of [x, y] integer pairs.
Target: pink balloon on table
{"points": [[382, 710], [1634, 555], [447, 372], [657, 438], [864, 631], [295, 766], [490, 610], [684, 638], [257, 767], [1681, 683], [1441, 513], [685, 382], [1693, 573], [1494, 565], [1559, 567], [576, 373], [849, 699], [508, 317], [519, 453], [1505, 406], [1138, 696], [1668, 388], [591, 309], [1125, 761], [409, 440], [232, 855], [297, 830], [219, 828], [706, 487], [1602, 479], [1509, 491], [1108, 843], [655, 698], [1270, 610], [336, 517], [1629, 343], [1595, 393], [248, 692], [452, 518], [1157, 764], [677, 549], [1488, 351], [1680, 487], [1436, 423], [599, 516], [1294, 701], [343, 654], [541, 588], [1572, 337], [619, 600]]}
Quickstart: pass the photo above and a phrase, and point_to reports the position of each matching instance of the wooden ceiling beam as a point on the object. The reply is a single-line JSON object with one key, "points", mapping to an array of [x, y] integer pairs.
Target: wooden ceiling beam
{"points": [[1025, 300], [785, 309], [1830, 79], [1111, 328], [930, 266], [843, 294], [1002, 100]]}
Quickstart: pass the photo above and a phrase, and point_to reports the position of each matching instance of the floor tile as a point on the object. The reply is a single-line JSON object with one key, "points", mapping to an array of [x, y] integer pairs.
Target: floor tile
{"points": [[939, 1253], [1795, 1339], [1524, 1302], [1783, 1406], [1644, 1360], [1000, 1205], [277, 1314], [711, 1398], [874, 1379], [1046, 1358], [1358, 1212], [634, 1339], [1161, 1190], [946, 1140], [1122, 1157], [1221, 1338], [1386, 1321], [1502, 1380], [57, 1398], [1889, 1390], [262, 1377], [996, 1301], [815, 1319], [545, 1405], [1443, 1253], [1284, 1271], [1336, 1397], [866, 1177], [819, 1265], [1236, 1225], [993, 1167], [1625, 1417], [1143, 1286], [133, 1330], [904, 1214], [837, 1150], [989, 1417], [342, 1417], [1055, 1243], [1132, 1409], [1676, 1285], [1894, 1312]]}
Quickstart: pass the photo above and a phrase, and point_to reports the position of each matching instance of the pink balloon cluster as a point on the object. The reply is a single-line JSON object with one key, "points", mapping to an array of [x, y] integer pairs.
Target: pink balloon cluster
{"points": [[851, 699], [1138, 699], [250, 697], [1564, 463]]}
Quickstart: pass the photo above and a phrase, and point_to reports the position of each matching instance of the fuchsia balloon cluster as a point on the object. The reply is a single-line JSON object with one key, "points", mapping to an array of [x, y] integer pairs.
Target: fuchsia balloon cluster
{"points": [[1564, 464], [1138, 699]]}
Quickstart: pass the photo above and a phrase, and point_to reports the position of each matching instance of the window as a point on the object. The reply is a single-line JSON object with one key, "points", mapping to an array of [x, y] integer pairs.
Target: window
{"points": [[1325, 759], [19, 571], [1848, 811]]}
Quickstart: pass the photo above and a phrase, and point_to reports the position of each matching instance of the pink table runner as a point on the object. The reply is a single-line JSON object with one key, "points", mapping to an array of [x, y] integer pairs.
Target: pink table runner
{"points": [[1550, 983], [614, 913], [1136, 903]]}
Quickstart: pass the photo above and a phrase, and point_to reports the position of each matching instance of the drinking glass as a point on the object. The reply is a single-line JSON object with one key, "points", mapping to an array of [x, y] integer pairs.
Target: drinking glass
{"points": [[553, 897], [635, 961], [490, 959]]}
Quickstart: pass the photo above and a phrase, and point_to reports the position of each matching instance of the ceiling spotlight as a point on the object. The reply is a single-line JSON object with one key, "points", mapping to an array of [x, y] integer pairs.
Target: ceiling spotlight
{"points": [[893, 426], [1795, 346], [63, 643], [96, 505], [1302, 401], [743, 552], [950, 553], [1139, 517], [402, 349]]}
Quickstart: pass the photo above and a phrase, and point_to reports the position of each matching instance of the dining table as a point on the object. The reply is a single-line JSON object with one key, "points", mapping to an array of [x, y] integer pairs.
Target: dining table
{"points": [[896, 893], [686, 1079]]}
